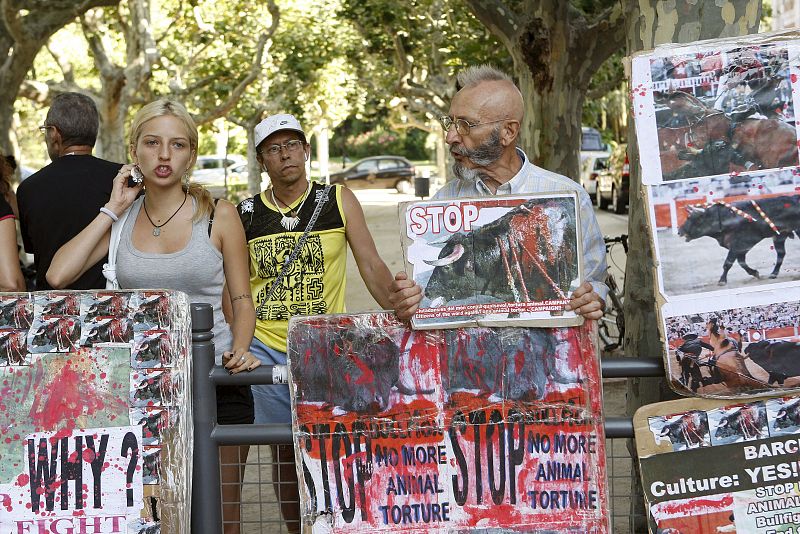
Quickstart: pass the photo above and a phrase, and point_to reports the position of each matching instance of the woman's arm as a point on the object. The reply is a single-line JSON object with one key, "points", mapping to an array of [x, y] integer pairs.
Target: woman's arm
{"points": [[10, 274], [91, 245], [228, 232], [373, 270]]}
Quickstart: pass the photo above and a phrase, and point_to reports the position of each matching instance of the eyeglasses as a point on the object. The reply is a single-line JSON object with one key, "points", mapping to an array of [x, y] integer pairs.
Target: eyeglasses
{"points": [[462, 125], [290, 146], [43, 128]]}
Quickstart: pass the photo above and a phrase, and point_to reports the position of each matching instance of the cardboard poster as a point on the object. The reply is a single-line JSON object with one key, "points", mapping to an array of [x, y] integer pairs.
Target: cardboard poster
{"points": [[464, 430], [712, 466], [500, 261], [718, 144], [94, 437]]}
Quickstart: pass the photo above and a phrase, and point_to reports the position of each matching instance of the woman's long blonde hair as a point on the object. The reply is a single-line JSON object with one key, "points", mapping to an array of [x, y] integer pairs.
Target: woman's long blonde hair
{"points": [[162, 107]]}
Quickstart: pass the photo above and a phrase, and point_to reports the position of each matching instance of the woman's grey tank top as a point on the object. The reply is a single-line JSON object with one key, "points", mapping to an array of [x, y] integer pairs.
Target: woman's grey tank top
{"points": [[196, 270]]}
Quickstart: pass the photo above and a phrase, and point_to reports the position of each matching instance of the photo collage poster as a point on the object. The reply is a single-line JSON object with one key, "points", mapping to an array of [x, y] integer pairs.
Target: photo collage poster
{"points": [[712, 466], [718, 144], [438, 431], [95, 418], [499, 261]]}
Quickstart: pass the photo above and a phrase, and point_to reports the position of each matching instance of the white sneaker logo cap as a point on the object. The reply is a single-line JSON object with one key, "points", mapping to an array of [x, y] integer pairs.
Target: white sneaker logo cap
{"points": [[276, 123]]}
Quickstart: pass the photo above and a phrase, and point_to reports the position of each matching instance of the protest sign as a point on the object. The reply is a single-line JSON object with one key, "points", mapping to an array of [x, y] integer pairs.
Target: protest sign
{"points": [[446, 431], [94, 436], [500, 261], [718, 149], [710, 467]]}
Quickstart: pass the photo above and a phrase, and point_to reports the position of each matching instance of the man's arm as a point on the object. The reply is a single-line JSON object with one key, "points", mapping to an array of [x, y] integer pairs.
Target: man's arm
{"points": [[373, 270], [589, 299]]}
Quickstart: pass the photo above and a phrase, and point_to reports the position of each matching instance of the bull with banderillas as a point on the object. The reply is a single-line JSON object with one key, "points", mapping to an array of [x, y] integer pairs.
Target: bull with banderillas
{"points": [[739, 231], [531, 245]]}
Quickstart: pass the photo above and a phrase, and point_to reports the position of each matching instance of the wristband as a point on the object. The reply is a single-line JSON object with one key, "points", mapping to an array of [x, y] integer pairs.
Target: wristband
{"points": [[109, 213]]}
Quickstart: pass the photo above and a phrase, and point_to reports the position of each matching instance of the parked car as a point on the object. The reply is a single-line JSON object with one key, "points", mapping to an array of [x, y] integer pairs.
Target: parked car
{"points": [[613, 184], [378, 172], [211, 169], [591, 167]]}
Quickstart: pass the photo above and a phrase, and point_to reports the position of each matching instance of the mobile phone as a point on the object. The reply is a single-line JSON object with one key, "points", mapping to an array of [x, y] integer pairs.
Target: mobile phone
{"points": [[136, 176]]}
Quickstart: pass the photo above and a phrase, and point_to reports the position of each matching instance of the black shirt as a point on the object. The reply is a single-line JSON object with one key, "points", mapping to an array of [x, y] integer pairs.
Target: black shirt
{"points": [[5, 209], [59, 201]]}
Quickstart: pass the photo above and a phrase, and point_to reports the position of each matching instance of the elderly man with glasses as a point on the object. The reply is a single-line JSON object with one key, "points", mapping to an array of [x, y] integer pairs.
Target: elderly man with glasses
{"points": [[60, 200], [482, 131], [297, 234]]}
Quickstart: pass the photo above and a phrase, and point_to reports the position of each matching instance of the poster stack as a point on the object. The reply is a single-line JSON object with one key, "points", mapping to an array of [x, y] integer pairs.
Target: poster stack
{"points": [[718, 146], [434, 431], [95, 412], [499, 261], [712, 466]]}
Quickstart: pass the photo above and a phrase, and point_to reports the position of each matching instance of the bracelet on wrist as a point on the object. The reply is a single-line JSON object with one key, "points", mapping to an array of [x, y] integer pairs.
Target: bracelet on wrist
{"points": [[110, 213]]}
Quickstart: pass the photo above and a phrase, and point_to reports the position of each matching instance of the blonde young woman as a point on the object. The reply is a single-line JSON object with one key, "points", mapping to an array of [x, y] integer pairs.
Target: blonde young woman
{"points": [[176, 237]]}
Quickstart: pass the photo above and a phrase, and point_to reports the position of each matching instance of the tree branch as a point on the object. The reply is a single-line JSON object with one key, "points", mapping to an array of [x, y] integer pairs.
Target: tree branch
{"points": [[499, 18]]}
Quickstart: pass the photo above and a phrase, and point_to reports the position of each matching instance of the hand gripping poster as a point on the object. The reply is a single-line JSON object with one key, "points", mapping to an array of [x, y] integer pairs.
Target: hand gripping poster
{"points": [[500, 261], [718, 147], [439, 431], [712, 466], [95, 422]]}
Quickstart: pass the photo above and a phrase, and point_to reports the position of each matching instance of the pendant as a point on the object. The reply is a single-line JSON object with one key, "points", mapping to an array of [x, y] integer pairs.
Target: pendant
{"points": [[290, 223], [156, 231]]}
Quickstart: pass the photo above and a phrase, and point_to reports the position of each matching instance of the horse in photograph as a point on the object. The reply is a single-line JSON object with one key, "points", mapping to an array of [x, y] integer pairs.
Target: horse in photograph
{"points": [[712, 142], [740, 226], [728, 362]]}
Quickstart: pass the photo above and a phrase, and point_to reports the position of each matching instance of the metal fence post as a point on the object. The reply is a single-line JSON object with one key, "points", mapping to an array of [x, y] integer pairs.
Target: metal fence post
{"points": [[206, 494]]}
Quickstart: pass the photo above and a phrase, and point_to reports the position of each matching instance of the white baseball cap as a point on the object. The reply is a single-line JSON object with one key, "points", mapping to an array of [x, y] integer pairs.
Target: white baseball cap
{"points": [[276, 123]]}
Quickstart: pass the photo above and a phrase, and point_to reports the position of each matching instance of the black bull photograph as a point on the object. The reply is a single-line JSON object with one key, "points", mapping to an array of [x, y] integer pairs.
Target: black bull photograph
{"points": [[709, 238]]}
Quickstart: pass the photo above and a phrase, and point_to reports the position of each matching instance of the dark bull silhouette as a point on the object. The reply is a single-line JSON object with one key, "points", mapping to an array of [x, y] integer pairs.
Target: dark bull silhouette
{"points": [[740, 233], [57, 331], [746, 422], [528, 254], [114, 330], [63, 305], [510, 363], [153, 349], [13, 347], [105, 306], [152, 310], [687, 432], [154, 388], [152, 424], [353, 369], [15, 313], [781, 359], [788, 416]]}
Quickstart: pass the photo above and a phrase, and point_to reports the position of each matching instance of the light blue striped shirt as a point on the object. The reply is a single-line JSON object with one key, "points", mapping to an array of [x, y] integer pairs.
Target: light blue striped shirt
{"points": [[533, 179]]}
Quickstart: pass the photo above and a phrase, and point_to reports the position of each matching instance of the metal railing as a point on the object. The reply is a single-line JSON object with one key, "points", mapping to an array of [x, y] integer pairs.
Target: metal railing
{"points": [[208, 435]]}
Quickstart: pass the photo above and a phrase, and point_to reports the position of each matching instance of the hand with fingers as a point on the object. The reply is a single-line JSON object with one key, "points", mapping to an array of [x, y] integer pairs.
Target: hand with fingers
{"points": [[586, 302], [405, 296], [239, 360], [122, 194]]}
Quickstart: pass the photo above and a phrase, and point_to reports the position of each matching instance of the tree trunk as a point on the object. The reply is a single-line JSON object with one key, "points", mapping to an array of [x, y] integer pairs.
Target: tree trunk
{"points": [[651, 23]]}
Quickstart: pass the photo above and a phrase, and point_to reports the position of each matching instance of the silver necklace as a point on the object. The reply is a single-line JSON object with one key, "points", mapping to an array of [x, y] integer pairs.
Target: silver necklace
{"points": [[290, 223]]}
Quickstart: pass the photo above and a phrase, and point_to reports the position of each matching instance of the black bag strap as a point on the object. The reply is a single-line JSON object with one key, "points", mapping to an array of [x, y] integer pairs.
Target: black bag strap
{"points": [[211, 217], [297, 248]]}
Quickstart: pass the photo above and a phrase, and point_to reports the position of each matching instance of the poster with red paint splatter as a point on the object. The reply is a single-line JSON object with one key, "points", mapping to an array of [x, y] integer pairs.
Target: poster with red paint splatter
{"points": [[87, 442], [500, 261], [712, 466], [434, 431]]}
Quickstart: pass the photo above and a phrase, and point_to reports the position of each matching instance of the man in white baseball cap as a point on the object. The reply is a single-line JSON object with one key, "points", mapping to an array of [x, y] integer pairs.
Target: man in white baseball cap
{"points": [[287, 280]]}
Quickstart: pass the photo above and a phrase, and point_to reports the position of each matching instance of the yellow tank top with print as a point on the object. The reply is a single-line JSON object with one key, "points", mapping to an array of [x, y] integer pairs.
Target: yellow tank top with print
{"points": [[314, 283]]}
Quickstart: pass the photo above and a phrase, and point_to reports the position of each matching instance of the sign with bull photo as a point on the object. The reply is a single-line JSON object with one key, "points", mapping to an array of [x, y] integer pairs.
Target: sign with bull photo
{"points": [[750, 349], [461, 430], [709, 466], [94, 418], [716, 108], [500, 261]]}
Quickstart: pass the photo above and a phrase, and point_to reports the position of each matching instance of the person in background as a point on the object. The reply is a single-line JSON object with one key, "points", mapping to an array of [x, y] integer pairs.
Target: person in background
{"points": [[61, 199], [310, 281], [482, 131], [11, 278], [175, 236]]}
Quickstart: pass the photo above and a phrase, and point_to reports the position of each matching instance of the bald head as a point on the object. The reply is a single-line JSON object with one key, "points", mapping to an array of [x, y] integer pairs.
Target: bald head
{"points": [[493, 91]]}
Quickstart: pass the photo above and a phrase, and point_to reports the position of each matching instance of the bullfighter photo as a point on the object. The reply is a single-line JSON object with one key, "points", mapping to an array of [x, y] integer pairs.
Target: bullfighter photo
{"points": [[681, 431], [715, 112], [727, 233], [500, 261], [738, 351]]}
